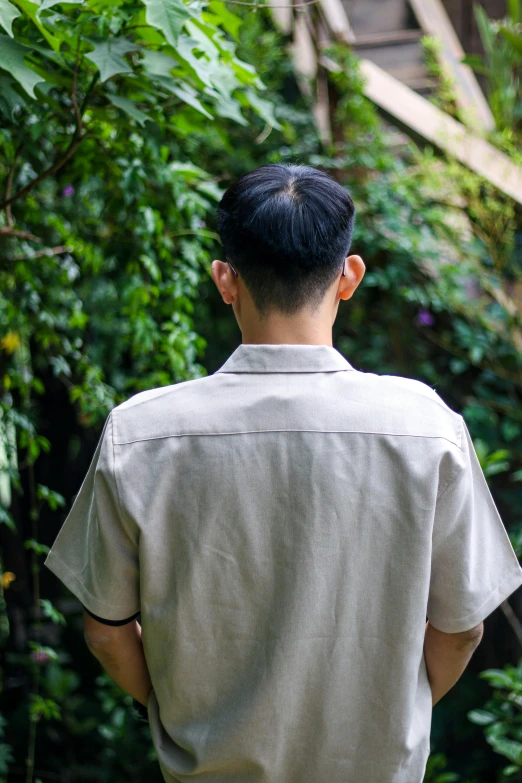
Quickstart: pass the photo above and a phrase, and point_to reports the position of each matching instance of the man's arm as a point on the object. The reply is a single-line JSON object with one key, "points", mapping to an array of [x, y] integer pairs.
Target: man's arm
{"points": [[447, 655], [119, 649]]}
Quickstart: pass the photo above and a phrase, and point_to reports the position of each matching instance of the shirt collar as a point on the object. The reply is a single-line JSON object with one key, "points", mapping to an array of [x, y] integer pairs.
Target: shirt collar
{"points": [[284, 357]]}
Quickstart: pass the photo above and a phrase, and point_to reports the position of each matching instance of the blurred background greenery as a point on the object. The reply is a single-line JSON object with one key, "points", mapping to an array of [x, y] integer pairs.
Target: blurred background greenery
{"points": [[121, 125]]}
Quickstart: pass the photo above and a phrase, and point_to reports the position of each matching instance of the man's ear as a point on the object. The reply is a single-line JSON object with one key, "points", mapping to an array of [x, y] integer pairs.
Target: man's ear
{"points": [[355, 270], [225, 281]]}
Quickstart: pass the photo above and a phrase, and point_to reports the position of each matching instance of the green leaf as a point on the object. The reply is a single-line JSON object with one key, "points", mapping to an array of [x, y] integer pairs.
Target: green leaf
{"points": [[148, 34], [184, 53], [35, 546], [498, 678], [481, 717], [184, 92], [247, 73], [229, 21], [101, 4], [211, 189], [202, 34], [476, 353], [50, 3], [264, 108], [31, 9], [8, 13], [187, 94], [12, 56], [226, 106], [151, 267], [515, 10], [108, 57], [157, 63], [476, 63], [515, 39], [189, 171], [48, 610], [130, 108], [7, 519], [511, 749], [168, 16], [10, 99], [484, 28], [493, 470]]}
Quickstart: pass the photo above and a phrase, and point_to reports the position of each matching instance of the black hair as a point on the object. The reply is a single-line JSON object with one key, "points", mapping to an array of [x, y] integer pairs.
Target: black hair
{"points": [[286, 228]]}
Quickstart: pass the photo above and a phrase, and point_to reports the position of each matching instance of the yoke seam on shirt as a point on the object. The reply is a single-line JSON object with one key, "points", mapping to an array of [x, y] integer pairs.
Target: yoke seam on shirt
{"points": [[250, 432]]}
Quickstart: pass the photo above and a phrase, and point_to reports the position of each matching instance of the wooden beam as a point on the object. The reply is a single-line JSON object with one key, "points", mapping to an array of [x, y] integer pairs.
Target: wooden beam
{"points": [[337, 20], [303, 55], [437, 127], [321, 109], [282, 14], [394, 38], [434, 20], [302, 49]]}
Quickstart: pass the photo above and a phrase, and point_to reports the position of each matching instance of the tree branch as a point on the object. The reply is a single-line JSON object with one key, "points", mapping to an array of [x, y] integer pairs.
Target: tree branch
{"points": [[47, 251], [8, 186], [69, 152], [513, 620], [74, 102], [12, 232], [492, 366], [71, 149]]}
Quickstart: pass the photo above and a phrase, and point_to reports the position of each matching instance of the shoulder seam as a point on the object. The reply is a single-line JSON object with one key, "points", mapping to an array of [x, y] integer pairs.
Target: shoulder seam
{"points": [[449, 482], [438, 399], [161, 391], [123, 515]]}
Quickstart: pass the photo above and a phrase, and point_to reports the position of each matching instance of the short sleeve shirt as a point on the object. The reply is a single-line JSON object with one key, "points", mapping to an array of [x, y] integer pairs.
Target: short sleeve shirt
{"points": [[284, 527]]}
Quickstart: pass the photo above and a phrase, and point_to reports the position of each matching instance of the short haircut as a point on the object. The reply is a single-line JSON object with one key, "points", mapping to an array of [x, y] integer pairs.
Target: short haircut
{"points": [[286, 228]]}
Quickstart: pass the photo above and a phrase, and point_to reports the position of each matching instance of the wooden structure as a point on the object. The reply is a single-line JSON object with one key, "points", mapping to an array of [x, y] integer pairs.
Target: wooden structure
{"points": [[463, 20], [386, 36]]}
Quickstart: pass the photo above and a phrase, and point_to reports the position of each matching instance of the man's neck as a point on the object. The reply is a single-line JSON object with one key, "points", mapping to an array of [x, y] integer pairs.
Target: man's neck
{"points": [[274, 331], [288, 339]]}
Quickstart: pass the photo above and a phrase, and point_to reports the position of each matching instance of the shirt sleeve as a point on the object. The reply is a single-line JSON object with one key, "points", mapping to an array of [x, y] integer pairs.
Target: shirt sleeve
{"points": [[474, 567], [96, 551]]}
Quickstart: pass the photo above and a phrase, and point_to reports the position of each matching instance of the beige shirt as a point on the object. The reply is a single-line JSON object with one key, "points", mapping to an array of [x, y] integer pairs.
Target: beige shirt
{"points": [[285, 526]]}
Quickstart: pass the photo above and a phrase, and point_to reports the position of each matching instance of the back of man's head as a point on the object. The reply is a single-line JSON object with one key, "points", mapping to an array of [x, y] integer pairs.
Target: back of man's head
{"points": [[286, 228]]}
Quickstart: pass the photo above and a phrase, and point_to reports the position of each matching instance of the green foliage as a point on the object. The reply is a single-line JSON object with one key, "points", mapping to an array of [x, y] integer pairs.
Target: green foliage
{"points": [[6, 752], [6, 749], [166, 55], [501, 716], [104, 244], [494, 462], [502, 66], [50, 611], [436, 770], [444, 96]]}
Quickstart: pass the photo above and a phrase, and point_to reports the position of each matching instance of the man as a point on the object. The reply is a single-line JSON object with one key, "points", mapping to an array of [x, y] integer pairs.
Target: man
{"points": [[285, 526]]}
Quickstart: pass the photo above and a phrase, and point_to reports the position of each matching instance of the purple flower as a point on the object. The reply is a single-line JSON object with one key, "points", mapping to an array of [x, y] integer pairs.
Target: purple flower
{"points": [[424, 318], [202, 223], [68, 191], [40, 656]]}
